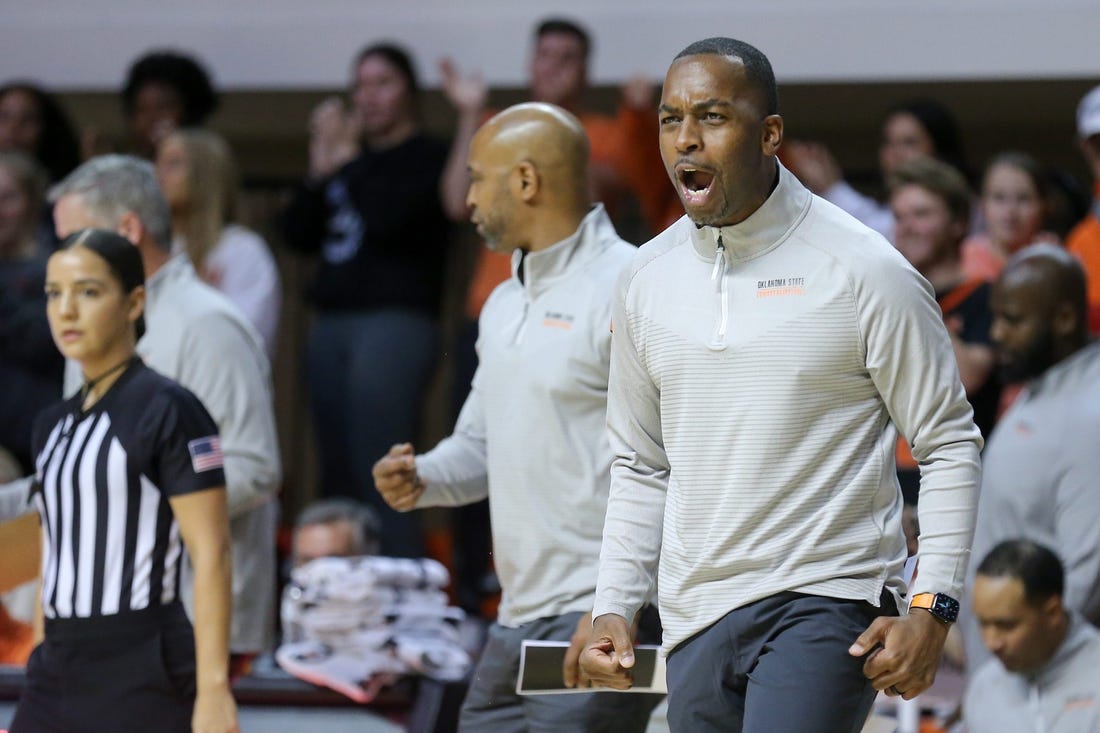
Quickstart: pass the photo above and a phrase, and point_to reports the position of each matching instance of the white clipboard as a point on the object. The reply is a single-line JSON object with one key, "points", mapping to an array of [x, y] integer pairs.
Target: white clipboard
{"points": [[540, 664]]}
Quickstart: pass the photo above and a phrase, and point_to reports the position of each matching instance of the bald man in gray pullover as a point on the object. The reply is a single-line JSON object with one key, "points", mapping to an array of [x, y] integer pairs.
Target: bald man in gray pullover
{"points": [[531, 434]]}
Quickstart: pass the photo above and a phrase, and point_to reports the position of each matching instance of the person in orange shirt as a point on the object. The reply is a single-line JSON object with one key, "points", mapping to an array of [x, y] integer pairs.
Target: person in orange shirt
{"points": [[1014, 199], [931, 205], [624, 158], [1084, 240]]}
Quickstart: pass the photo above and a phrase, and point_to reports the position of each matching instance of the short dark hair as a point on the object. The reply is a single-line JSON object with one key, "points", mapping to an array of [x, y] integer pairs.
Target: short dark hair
{"points": [[564, 25], [941, 127], [1036, 567], [940, 179], [398, 58], [758, 70], [178, 71], [365, 524]]}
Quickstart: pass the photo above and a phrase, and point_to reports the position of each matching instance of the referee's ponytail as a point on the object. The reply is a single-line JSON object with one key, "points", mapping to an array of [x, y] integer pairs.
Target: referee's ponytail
{"points": [[121, 256]]}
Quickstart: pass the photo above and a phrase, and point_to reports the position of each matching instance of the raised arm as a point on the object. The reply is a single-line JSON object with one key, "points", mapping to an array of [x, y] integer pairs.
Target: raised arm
{"points": [[333, 142], [468, 94], [333, 138]]}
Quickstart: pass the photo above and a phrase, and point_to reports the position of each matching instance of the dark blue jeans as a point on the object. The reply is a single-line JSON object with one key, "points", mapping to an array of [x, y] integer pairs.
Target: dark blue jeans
{"points": [[367, 373], [779, 665]]}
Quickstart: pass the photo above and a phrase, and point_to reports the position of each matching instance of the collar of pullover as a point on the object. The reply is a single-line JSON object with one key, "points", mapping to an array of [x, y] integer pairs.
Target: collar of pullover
{"points": [[176, 267], [542, 269], [1056, 376], [765, 228], [1077, 636]]}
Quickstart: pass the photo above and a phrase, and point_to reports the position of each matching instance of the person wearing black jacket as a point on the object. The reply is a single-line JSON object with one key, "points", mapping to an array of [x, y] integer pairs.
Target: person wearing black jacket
{"points": [[372, 209]]}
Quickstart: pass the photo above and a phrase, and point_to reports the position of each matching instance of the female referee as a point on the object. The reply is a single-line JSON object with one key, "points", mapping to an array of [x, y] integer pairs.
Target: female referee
{"points": [[125, 471]]}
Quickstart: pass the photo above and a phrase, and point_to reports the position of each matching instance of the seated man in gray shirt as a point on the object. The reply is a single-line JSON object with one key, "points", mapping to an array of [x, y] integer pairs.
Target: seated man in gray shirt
{"points": [[1041, 463], [1046, 676]]}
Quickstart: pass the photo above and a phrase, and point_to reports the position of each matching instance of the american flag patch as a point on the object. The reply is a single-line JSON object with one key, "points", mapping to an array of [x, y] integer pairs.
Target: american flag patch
{"points": [[206, 453]]}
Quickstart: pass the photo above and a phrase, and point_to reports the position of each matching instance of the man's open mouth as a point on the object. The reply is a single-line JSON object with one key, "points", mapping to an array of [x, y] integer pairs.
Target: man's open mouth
{"points": [[695, 184]]}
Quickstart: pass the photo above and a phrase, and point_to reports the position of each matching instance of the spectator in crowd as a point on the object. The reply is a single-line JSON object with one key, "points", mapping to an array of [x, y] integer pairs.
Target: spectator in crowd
{"points": [[531, 436], [764, 348], [1015, 192], [197, 337], [624, 163], [1067, 202], [558, 75], [1041, 463], [336, 527], [30, 366], [119, 459], [198, 176], [931, 206], [1084, 240], [372, 208], [914, 129], [1046, 676], [165, 90], [33, 122]]}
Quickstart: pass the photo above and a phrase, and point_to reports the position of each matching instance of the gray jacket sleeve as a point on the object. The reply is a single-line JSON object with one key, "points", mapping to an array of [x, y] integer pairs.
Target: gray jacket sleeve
{"points": [[455, 472], [230, 375], [639, 474], [910, 360], [1077, 507]]}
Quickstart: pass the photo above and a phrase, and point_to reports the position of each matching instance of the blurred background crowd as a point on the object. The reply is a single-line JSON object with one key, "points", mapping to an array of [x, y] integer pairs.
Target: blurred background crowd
{"points": [[343, 238]]}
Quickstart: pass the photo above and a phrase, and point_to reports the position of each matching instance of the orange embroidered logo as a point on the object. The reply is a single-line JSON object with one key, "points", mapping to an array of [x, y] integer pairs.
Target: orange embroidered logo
{"points": [[780, 286], [1080, 702], [564, 321]]}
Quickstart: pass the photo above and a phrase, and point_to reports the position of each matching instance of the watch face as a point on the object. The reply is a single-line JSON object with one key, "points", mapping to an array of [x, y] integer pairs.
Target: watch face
{"points": [[945, 607]]}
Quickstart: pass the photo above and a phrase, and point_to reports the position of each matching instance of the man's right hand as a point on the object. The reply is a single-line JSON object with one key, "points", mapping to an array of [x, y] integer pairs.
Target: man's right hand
{"points": [[395, 478], [609, 654]]}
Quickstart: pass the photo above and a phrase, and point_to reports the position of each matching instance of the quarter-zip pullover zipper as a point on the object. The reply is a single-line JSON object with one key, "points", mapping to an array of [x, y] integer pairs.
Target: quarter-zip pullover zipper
{"points": [[1036, 709], [718, 273]]}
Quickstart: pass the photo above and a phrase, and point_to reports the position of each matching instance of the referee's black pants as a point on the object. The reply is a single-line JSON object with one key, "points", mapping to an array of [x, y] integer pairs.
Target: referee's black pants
{"points": [[132, 671]]}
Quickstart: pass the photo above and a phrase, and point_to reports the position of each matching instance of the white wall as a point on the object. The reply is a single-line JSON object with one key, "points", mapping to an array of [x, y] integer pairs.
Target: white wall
{"points": [[276, 44]]}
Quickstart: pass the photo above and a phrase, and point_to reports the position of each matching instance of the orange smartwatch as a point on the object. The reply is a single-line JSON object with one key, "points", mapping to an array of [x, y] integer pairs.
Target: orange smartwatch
{"points": [[942, 606]]}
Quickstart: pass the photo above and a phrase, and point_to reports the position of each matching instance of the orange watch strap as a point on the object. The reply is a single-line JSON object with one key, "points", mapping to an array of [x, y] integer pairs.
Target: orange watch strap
{"points": [[922, 600]]}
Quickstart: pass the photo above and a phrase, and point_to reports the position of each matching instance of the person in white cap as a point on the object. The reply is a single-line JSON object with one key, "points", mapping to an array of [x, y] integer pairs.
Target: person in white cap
{"points": [[1084, 240]]}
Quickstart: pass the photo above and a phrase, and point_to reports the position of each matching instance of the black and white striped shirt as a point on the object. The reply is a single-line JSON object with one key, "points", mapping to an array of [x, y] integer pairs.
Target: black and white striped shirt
{"points": [[103, 480]]}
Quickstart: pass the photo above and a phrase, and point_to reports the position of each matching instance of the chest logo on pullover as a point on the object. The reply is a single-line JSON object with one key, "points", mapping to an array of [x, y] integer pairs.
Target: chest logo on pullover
{"points": [[1080, 702], [780, 286], [554, 319]]}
